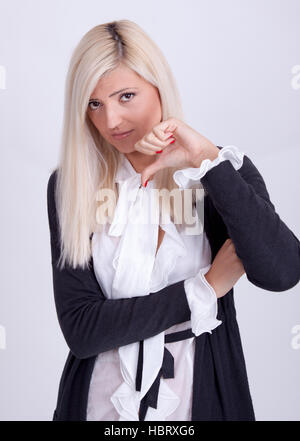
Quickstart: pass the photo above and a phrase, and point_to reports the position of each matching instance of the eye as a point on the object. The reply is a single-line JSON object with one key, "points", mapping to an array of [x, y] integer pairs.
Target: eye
{"points": [[92, 103], [128, 93], [96, 103]]}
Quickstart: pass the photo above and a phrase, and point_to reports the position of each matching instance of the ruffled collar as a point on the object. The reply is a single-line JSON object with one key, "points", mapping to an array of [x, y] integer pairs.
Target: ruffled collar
{"points": [[130, 186], [126, 170], [136, 220]]}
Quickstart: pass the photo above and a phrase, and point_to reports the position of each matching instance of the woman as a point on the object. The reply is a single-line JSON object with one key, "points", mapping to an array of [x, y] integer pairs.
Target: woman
{"points": [[147, 308]]}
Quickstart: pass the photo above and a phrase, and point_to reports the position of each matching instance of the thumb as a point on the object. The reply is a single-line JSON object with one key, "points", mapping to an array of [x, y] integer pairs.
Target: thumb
{"points": [[149, 172]]}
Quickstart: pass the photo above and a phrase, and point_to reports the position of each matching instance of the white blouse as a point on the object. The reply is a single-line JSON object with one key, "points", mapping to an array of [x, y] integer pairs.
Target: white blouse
{"points": [[126, 265]]}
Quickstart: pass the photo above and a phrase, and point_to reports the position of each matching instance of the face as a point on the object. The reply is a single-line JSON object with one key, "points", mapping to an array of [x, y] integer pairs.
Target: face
{"points": [[138, 108]]}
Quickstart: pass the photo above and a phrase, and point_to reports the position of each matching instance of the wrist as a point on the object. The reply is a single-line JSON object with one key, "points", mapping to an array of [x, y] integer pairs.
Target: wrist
{"points": [[210, 152], [211, 282]]}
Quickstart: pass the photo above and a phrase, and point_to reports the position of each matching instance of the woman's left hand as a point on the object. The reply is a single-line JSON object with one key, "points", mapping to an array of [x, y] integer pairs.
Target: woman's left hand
{"points": [[189, 149]]}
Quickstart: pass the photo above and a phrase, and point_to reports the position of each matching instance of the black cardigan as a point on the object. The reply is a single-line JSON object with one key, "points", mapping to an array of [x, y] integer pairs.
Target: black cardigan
{"points": [[236, 205]]}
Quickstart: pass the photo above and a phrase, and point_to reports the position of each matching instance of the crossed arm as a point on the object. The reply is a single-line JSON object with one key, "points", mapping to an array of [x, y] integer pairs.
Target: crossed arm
{"points": [[268, 249]]}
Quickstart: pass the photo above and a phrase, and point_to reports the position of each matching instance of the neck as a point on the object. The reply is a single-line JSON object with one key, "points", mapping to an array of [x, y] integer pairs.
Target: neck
{"points": [[139, 161]]}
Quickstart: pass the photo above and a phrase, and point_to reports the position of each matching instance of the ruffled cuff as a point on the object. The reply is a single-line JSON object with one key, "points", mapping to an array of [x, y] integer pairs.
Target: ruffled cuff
{"points": [[184, 178], [202, 300]]}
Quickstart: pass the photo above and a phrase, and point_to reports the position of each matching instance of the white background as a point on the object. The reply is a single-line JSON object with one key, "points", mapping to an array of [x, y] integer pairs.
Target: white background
{"points": [[233, 62]]}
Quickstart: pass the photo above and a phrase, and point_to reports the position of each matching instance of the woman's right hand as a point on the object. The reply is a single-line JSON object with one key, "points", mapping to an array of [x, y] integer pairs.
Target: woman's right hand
{"points": [[225, 270]]}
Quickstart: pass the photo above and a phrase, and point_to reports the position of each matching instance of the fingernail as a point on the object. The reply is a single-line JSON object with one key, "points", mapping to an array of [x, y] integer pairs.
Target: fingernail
{"points": [[172, 141], [146, 182], [159, 151]]}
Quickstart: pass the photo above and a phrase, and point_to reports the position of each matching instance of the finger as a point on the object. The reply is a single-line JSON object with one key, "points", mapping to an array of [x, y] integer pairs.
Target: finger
{"points": [[145, 149], [157, 147], [161, 133], [150, 171], [140, 147], [151, 138]]}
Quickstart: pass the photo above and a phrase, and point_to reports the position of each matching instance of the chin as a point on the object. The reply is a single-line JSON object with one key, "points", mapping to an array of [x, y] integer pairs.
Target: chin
{"points": [[125, 149]]}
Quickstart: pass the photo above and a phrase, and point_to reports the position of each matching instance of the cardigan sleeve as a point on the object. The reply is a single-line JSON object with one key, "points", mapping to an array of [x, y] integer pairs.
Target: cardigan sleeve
{"points": [[92, 324], [268, 249]]}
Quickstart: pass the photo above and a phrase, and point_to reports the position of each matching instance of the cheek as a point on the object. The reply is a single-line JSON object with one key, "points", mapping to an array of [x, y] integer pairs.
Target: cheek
{"points": [[150, 115], [92, 118], [95, 121]]}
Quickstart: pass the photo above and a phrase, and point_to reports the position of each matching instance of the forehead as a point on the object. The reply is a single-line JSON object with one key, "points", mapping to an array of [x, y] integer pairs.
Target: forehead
{"points": [[118, 78]]}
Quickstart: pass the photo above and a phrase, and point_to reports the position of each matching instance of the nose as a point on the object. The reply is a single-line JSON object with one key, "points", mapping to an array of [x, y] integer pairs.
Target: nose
{"points": [[113, 118]]}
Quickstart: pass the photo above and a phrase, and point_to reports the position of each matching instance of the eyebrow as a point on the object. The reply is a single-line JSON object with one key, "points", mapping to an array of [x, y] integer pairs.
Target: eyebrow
{"points": [[115, 93]]}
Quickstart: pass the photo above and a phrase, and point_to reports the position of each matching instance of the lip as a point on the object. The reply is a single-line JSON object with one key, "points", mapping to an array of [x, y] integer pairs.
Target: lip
{"points": [[123, 135]]}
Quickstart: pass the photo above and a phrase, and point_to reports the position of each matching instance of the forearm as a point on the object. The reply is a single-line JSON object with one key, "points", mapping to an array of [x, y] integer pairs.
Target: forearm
{"points": [[92, 324]]}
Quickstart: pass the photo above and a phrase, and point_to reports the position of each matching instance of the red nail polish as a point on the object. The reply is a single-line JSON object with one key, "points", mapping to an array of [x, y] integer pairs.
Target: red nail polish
{"points": [[172, 141], [159, 151], [146, 182]]}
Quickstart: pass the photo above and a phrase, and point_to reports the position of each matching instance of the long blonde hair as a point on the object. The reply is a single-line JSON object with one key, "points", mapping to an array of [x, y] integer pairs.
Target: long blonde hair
{"points": [[87, 161]]}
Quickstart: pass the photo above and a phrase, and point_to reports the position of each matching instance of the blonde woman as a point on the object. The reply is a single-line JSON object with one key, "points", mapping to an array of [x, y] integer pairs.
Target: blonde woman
{"points": [[145, 302]]}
